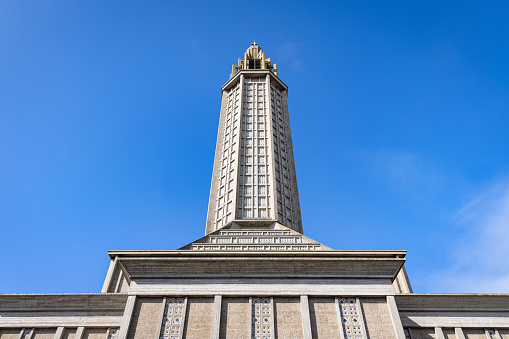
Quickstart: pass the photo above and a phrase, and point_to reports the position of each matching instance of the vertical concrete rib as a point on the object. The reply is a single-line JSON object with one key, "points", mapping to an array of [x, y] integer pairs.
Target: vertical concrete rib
{"points": [[59, 333], [211, 215], [79, 333], [439, 333], [340, 323], [270, 154], [250, 322], [458, 332], [238, 140], [216, 318], [306, 319], [396, 320], [126, 319], [161, 317], [296, 213], [361, 316]]}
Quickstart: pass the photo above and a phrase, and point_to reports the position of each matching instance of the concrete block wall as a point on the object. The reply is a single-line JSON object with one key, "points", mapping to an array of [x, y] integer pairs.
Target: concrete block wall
{"points": [[234, 317], [377, 318]]}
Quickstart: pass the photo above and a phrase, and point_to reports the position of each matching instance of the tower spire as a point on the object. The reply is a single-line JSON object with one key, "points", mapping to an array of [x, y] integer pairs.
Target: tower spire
{"points": [[254, 58], [254, 181]]}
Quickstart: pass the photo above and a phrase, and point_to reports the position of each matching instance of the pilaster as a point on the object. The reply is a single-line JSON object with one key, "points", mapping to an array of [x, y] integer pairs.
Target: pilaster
{"points": [[396, 321], [126, 319], [306, 320], [216, 318]]}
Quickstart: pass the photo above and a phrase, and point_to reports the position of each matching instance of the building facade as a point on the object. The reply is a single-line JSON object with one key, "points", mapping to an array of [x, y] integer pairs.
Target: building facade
{"points": [[254, 274]]}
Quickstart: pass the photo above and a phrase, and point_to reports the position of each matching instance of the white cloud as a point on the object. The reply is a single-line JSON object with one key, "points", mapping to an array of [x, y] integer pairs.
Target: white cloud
{"points": [[480, 257], [476, 259]]}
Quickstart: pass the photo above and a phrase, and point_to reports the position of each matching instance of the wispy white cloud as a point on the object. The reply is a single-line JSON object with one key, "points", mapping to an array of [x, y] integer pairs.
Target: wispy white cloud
{"points": [[476, 257], [480, 256]]}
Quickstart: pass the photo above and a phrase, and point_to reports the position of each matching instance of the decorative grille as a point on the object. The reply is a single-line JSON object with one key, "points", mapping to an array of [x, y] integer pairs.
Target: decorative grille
{"points": [[173, 318], [351, 318], [262, 318]]}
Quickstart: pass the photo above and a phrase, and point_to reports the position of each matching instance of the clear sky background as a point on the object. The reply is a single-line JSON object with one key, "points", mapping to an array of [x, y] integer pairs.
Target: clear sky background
{"points": [[109, 113]]}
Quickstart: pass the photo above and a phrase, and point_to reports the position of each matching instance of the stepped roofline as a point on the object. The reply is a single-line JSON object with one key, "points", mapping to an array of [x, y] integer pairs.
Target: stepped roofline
{"points": [[254, 58]]}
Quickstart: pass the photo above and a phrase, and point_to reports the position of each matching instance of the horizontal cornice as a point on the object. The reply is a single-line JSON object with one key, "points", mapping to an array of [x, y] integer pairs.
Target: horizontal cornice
{"points": [[63, 301]]}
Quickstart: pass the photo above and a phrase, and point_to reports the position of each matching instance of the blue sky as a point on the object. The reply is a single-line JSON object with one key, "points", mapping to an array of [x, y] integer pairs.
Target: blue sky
{"points": [[109, 114]]}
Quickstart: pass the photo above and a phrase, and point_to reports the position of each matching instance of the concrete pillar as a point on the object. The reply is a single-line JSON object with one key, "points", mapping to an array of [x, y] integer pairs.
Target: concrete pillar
{"points": [[306, 320], [272, 319], [396, 320], [216, 318], [340, 323], [161, 317], [79, 333], [250, 313], [126, 319], [59, 333], [107, 281], [361, 317], [458, 332], [439, 333]]}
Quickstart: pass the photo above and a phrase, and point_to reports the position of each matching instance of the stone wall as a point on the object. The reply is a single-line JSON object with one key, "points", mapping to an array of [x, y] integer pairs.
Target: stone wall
{"points": [[199, 318], [324, 318], [449, 333], [10, 333], [474, 333], [235, 318], [69, 333], [44, 333], [423, 333], [377, 318], [145, 320], [288, 316], [94, 333]]}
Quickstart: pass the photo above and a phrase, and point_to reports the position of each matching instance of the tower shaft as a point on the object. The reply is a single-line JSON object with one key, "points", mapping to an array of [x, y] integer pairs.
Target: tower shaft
{"points": [[254, 180]]}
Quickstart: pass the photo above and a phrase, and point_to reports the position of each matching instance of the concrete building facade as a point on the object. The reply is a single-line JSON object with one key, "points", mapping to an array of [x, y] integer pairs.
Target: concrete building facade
{"points": [[254, 274]]}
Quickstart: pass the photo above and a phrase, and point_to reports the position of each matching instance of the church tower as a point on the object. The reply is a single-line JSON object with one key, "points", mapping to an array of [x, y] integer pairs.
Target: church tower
{"points": [[254, 274], [254, 180]]}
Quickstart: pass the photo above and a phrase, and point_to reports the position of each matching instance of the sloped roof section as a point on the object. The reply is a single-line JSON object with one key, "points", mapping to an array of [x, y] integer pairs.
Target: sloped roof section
{"points": [[244, 236]]}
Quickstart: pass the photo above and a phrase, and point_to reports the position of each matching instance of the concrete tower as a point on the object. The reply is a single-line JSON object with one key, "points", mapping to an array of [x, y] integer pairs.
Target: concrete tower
{"points": [[254, 274], [254, 180]]}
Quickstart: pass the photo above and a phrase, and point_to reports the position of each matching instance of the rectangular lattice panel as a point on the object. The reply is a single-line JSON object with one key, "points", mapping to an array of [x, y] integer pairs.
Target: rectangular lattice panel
{"points": [[351, 318], [172, 325], [224, 211], [281, 160], [262, 318], [254, 182]]}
